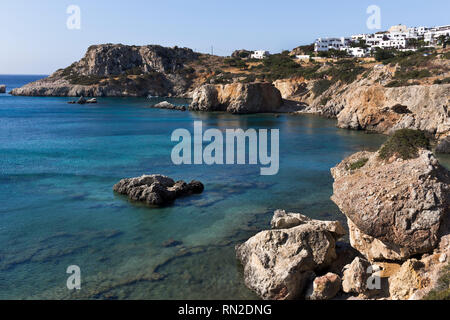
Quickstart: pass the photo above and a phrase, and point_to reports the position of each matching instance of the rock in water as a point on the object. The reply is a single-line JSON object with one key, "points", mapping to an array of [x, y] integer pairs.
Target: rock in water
{"points": [[2, 88], [394, 207], [82, 100], [168, 105], [156, 190], [240, 98], [279, 263]]}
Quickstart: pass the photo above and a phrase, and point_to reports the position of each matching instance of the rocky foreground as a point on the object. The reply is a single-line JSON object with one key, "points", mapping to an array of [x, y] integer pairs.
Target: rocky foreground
{"points": [[398, 213], [156, 190]]}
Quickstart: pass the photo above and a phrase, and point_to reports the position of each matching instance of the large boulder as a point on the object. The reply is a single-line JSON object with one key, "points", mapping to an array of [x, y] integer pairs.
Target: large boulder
{"points": [[278, 264], [241, 98], [2, 88], [394, 207], [156, 190]]}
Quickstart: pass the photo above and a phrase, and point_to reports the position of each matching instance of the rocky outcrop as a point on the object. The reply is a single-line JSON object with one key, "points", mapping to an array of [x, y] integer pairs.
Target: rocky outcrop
{"points": [[2, 88], [285, 220], [278, 264], [156, 190], [241, 98], [168, 105], [293, 88], [406, 280], [376, 108], [369, 104], [395, 208], [120, 70], [356, 276], [325, 287], [242, 53]]}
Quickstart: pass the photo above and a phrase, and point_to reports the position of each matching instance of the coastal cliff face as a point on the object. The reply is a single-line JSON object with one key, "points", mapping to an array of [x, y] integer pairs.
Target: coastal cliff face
{"points": [[240, 98], [372, 103], [120, 70]]}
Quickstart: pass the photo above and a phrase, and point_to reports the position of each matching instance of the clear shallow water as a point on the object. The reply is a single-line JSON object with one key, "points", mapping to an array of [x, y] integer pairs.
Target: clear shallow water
{"points": [[59, 162]]}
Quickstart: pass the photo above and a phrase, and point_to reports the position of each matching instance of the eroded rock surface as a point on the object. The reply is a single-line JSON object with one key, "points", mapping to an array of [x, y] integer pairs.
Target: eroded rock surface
{"points": [[241, 98], [395, 208]]}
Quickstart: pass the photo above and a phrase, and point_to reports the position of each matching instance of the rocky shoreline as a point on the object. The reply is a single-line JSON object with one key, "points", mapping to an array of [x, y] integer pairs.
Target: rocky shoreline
{"points": [[398, 213], [362, 99]]}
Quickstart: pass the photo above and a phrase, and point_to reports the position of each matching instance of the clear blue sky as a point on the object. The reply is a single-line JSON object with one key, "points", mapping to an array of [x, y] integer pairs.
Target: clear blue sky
{"points": [[35, 40]]}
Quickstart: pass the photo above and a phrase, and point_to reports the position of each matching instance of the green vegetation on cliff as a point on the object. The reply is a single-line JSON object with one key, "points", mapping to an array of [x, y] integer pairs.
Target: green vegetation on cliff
{"points": [[442, 290], [405, 143]]}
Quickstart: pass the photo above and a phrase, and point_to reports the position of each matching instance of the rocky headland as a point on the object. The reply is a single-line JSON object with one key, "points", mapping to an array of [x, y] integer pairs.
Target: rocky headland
{"points": [[397, 204], [156, 190], [117, 70]]}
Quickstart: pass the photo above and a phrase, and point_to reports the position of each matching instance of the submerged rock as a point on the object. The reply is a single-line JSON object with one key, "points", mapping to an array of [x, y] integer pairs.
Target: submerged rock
{"points": [[394, 208], [278, 264], [240, 98], [156, 190]]}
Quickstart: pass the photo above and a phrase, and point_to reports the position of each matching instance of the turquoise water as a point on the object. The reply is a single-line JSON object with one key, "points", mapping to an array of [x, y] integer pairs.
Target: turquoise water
{"points": [[58, 165]]}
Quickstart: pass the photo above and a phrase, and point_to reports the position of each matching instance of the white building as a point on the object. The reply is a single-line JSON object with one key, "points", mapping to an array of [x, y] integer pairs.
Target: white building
{"points": [[326, 44], [358, 52], [259, 54], [358, 37]]}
